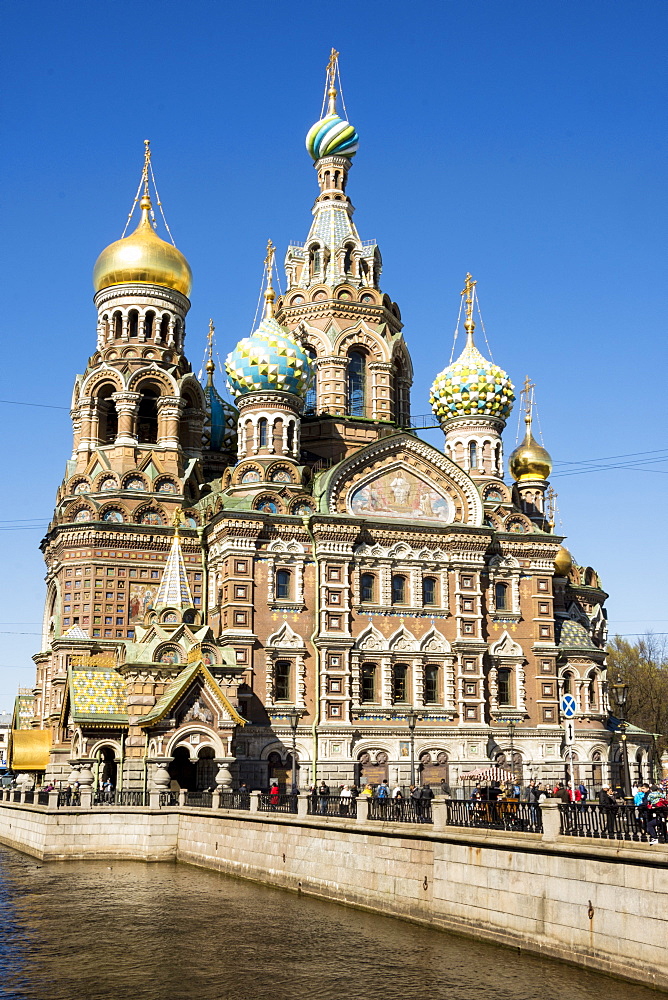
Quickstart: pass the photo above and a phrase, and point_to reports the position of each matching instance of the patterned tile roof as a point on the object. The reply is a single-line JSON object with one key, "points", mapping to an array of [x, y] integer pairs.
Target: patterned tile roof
{"points": [[23, 711], [97, 694], [572, 635], [178, 687], [174, 590]]}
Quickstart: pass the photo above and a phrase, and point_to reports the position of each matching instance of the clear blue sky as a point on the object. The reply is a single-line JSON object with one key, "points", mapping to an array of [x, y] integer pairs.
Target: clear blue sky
{"points": [[523, 141]]}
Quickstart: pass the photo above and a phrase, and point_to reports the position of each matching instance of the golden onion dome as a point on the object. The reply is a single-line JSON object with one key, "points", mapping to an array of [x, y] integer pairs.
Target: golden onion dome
{"points": [[563, 561], [530, 460], [142, 257]]}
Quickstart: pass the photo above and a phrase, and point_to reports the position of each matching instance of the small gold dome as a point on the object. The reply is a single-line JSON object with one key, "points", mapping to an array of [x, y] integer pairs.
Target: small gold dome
{"points": [[530, 460], [143, 257], [563, 561]]}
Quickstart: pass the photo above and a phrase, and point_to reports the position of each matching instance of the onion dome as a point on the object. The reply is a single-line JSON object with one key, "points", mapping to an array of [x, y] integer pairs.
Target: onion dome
{"points": [[332, 136], [142, 257], [563, 561], [529, 460], [472, 386], [220, 426], [268, 360]]}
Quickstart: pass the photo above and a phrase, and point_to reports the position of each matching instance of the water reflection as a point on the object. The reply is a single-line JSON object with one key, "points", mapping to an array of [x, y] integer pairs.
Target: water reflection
{"points": [[134, 931]]}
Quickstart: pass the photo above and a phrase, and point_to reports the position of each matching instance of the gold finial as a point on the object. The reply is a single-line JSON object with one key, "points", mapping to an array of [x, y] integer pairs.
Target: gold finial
{"points": [[468, 291], [177, 520], [269, 294], [528, 389], [210, 364], [551, 507], [331, 80], [145, 203]]}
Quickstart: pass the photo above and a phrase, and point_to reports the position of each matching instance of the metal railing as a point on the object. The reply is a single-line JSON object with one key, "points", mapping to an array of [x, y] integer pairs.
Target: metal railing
{"points": [[42, 798], [169, 799], [202, 800], [401, 811], [621, 822], [16, 796], [235, 800], [282, 803], [525, 817], [120, 797], [332, 805]]}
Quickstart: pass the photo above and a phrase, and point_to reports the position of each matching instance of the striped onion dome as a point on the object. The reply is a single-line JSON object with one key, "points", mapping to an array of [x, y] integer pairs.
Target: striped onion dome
{"points": [[332, 136]]}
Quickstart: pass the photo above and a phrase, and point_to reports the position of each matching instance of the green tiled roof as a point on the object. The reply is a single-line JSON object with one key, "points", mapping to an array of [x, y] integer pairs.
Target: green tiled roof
{"points": [[177, 688], [97, 694]]}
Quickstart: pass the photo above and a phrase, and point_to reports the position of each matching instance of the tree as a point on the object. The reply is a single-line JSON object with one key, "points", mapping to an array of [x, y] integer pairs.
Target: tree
{"points": [[643, 665]]}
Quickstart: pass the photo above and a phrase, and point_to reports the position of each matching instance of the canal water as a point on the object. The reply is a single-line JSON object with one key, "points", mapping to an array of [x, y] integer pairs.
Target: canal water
{"points": [[133, 931]]}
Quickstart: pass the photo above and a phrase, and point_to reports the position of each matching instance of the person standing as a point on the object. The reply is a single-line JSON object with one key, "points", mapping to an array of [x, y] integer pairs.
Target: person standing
{"points": [[323, 797], [608, 807], [426, 795], [274, 795]]}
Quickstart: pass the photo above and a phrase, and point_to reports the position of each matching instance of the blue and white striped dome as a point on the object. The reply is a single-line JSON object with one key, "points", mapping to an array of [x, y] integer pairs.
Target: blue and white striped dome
{"points": [[332, 136], [268, 360]]}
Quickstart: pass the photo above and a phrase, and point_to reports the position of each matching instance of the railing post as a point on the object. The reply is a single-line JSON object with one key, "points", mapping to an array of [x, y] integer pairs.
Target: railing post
{"points": [[362, 809], [53, 799], [302, 803], [154, 798], [183, 795], [254, 802], [439, 812], [215, 799], [86, 796], [551, 818]]}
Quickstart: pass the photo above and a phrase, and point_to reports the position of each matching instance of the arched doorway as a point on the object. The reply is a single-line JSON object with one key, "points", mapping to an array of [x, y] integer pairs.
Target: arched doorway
{"points": [[280, 770], [107, 767], [182, 770], [514, 764], [433, 770], [205, 770], [371, 771]]}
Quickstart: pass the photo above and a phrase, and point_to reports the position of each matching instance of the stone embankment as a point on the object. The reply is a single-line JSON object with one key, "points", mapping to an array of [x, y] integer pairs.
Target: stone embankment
{"points": [[599, 904]]}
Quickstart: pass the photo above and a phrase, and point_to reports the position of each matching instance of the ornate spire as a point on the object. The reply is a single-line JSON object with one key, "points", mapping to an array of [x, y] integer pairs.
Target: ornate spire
{"points": [[469, 324], [210, 363], [174, 590], [332, 92], [269, 294], [529, 460]]}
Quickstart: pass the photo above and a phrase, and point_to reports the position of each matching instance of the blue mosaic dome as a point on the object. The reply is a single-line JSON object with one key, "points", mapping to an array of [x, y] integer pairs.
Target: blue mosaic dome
{"points": [[472, 386], [220, 428], [332, 136], [268, 360]]}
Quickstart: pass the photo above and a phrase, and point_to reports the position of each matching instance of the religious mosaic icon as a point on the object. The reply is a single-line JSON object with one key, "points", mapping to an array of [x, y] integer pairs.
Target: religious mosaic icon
{"points": [[150, 517], [268, 507], [82, 488], [166, 486], [135, 483], [141, 599], [83, 515], [113, 515], [108, 484], [281, 476], [400, 493], [252, 476]]}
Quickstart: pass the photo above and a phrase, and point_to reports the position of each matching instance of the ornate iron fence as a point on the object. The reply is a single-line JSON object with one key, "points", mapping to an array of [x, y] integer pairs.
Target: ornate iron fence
{"points": [[42, 798], [202, 800], [402, 811], [282, 803], [621, 822], [503, 815], [169, 799], [235, 800], [29, 797], [332, 805]]}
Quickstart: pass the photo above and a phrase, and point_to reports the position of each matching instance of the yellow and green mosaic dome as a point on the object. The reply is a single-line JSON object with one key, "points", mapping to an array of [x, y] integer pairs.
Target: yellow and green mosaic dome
{"points": [[332, 136], [268, 360], [472, 386]]}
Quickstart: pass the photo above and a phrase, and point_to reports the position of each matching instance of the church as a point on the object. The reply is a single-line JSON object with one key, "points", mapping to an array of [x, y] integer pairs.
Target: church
{"points": [[298, 580]]}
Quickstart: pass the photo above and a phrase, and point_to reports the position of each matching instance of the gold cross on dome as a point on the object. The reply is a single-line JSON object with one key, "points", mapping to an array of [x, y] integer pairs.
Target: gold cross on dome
{"points": [[331, 65], [529, 386], [269, 259]]}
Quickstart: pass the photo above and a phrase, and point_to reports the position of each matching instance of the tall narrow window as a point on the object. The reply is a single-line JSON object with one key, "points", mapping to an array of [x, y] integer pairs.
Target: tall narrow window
{"points": [[591, 690], [262, 433], [473, 455], [367, 586], [348, 259], [430, 684], [147, 418], [398, 589], [283, 585], [504, 686], [315, 257], [429, 590], [399, 682], [568, 684], [356, 383], [368, 682], [282, 678], [290, 436], [311, 400], [133, 322], [501, 596]]}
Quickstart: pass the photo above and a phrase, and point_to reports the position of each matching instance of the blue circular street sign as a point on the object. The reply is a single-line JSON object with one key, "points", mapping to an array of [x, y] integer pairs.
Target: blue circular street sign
{"points": [[568, 706]]}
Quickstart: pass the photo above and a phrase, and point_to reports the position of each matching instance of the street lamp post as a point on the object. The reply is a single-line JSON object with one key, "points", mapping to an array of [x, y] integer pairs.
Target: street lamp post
{"points": [[621, 692], [411, 719], [294, 715], [511, 735]]}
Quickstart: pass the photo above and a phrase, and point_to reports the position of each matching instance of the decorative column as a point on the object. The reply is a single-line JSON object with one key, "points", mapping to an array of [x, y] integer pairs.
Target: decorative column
{"points": [[169, 417], [85, 415], [127, 404]]}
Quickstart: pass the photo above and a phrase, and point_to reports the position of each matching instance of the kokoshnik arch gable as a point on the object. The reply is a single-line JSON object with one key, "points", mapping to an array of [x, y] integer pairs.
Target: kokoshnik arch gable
{"points": [[213, 571]]}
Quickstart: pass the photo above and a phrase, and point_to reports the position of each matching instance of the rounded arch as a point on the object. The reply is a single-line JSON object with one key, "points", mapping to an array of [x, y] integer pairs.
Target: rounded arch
{"points": [[208, 739], [153, 377], [104, 375], [362, 339]]}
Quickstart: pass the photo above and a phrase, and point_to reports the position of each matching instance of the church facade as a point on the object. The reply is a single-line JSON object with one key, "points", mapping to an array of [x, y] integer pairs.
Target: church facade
{"points": [[300, 573]]}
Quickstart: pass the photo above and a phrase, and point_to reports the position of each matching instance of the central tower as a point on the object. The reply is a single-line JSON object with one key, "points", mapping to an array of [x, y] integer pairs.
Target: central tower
{"points": [[334, 305]]}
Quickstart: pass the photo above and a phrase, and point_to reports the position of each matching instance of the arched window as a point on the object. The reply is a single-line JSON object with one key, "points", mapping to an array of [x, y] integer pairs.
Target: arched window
{"points": [[282, 680], [147, 417], [368, 682], [497, 459], [398, 589], [592, 697], [473, 455], [567, 684], [348, 258], [164, 327], [283, 584], [315, 259], [262, 433], [107, 417], [399, 682], [431, 684], [149, 320], [118, 325], [356, 383], [501, 596], [133, 323], [503, 681], [311, 399], [429, 590], [367, 587], [290, 436]]}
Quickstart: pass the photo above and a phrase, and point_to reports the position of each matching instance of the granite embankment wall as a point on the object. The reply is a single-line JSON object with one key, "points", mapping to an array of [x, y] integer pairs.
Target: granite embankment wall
{"points": [[583, 901]]}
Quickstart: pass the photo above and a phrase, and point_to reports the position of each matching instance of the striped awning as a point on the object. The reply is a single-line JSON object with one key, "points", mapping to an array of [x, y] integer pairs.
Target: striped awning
{"points": [[489, 774], [30, 749]]}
